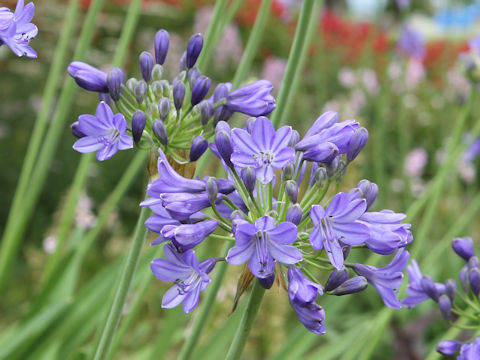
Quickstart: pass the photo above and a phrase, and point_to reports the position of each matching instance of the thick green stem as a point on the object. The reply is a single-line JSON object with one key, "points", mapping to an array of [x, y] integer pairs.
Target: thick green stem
{"points": [[123, 286], [246, 323], [306, 25]]}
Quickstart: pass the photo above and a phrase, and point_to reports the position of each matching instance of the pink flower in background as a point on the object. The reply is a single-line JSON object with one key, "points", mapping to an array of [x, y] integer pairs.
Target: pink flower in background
{"points": [[370, 81], [230, 48], [415, 162], [414, 73], [273, 70], [347, 77]]}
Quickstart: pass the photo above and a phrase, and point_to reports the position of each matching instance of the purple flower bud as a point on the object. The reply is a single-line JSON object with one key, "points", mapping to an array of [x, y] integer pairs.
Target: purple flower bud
{"points": [[88, 77], [336, 278], [199, 146], [294, 214], [429, 287], [351, 286], [291, 189], [369, 191], [445, 306], [163, 108], [254, 99], [183, 61], [249, 125], [288, 172], [323, 122], [178, 94], [193, 75], [138, 124], [200, 89], [463, 247], [464, 279], [267, 282], [248, 178], [448, 347], [474, 278], [206, 111], [114, 83], [320, 176], [74, 128], [146, 65], [333, 167], [131, 84], [294, 139], [211, 187], [162, 42], [220, 92], [140, 91], [357, 143], [223, 142], [158, 128], [473, 262], [106, 98], [194, 47], [451, 288], [324, 152]]}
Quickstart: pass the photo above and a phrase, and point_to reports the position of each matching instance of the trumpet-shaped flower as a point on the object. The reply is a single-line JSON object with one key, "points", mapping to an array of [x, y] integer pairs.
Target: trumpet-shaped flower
{"points": [[104, 133], [190, 277], [415, 289], [262, 243], [265, 149]]}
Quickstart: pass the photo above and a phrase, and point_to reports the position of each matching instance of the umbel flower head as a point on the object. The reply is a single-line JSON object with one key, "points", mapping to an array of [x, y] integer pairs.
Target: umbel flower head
{"points": [[172, 115], [284, 225], [16, 30]]}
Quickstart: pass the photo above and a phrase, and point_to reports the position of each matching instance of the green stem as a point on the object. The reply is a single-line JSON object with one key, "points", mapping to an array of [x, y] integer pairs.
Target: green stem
{"points": [[246, 323], [306, 26], [123, 286], [10, 240], [187, 350]]}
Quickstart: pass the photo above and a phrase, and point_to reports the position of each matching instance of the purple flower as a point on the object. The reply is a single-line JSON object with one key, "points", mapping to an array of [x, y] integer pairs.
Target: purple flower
{"points": [[411, 42], [264, 149], [186, 236], [387, 232], [262, 243], [16, 30], [470, 351], [463, 247], [104, 133], [386, 280], [189, 275], [88, 77], [254, 99], [302, 294], [448, 347], [416, 289], [338, 223], [183, 205]]}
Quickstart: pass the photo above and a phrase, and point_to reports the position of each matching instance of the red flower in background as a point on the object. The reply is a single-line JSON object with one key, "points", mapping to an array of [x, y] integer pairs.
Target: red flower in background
{"points": [[247, 13], [443, 53]]}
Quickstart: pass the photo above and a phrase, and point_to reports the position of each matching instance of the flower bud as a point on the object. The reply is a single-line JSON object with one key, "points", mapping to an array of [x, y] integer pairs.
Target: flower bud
{"points": [[140, 91], [88, 77], [321, 176], [158, 128], [291, 189], [193, 75], [178, 94], [351, 286], [336, 278], [146, 65], [448, 347], [74, 128], [114, 83], [248, 177], [194, 47], [463, 247], [223, 142], [294, 138], [199, 146], [211, 188], [157, 72], [474, 279], [183, 62], [267, 282], [131, 84], [162, 42], [220, 92], [473, 262], [451, 288], [357, 143], [294, 214], [429, 287], [288, 172], [200, 89], [138, 124], [369, 191], [157, 88], [206, 111], [163, 108], [464, 279], [445, 306], [106, 98], [333, 167]]}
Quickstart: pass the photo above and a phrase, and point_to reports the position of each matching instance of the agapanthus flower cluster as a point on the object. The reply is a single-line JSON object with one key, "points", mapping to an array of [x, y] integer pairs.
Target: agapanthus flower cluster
{"points": [[16, 30], [276, 208], [152, 112], [453, 302]]}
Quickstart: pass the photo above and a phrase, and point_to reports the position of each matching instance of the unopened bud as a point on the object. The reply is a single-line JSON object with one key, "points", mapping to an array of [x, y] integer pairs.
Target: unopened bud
{"points": [[157, 72], [336, 278], [158, 128], [294, 138], [163, 108], [357, 143], [140, 91], [288, 172], [463, 247], [146, 65], [267, 282], [138, 124], [114, 83], [369, 191], [445, 306], [429, 287], [206, 111], [162, 42], [474, 279], [74, 128], [131, 84], [321, 176], [248, 175], [200, 89], [194, 47], [294, 214], [178, 95], [291, 189], [212, 190], [351, 286]]}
